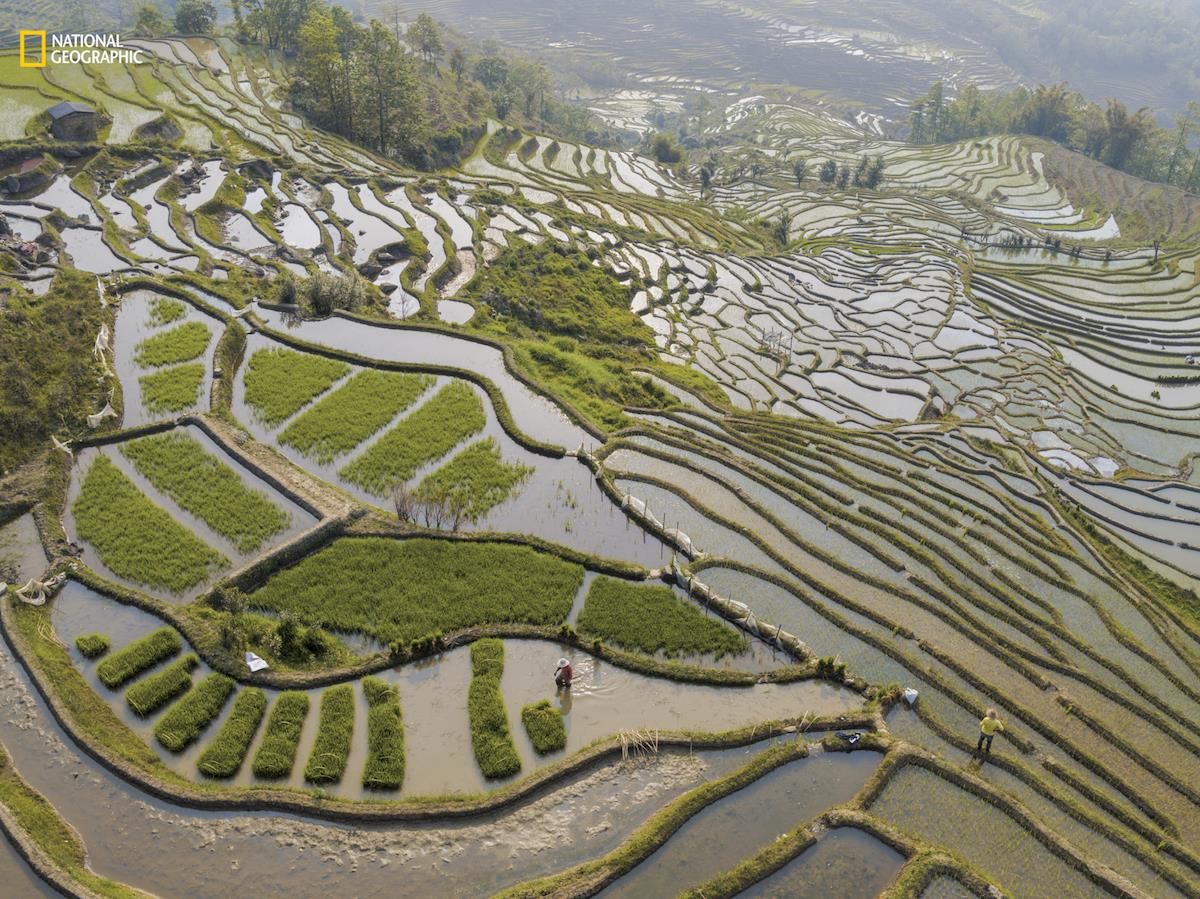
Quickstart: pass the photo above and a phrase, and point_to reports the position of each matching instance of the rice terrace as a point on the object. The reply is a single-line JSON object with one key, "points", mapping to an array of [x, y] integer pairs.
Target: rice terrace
{"points": [[693, 448]]}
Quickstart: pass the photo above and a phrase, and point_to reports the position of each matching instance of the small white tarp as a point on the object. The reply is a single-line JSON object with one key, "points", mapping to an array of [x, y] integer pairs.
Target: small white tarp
{"points": [[255, 664]]}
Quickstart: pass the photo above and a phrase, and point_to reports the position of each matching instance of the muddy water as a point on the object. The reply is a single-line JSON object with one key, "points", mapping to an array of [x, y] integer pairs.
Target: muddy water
{"points": [[945, 887], [298, 519], [534, 414], [559, 501], [176, 852], [845, 862], [132, 327], [21, 553], [18, 878], [433, 694], [921, 803], [741, 824]]}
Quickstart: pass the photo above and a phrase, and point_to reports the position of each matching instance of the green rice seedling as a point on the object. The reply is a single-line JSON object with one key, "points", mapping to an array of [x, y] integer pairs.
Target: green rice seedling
{"points": [[141, 655], [180, 344], [475, 480], [280, 382], [452, 415], [352, 413], [385, 736], [164, 311], [92, 646], [544, 724], [173, 389], [490, 736], [277, 753], [212, 491], [224, 755], [653, 619], [487, 657], [335, 731], [183, 722], [151, 693], [403, 590], [135, 538]]}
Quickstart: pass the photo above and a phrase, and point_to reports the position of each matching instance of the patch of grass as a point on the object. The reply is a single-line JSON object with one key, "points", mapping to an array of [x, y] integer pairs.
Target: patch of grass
{"points": [[180, 344], [173, 389], [277, 753], [352, 413], [385, 736], [451, 416], [401, 590], [183, 722], [92, 646], [51, 380], [181, 468], [224, 755], [335, 732], [475, 480], [653, 619], [165, 310], [544, 724], [135, 538], [151, 693], [281, 382], [140, 655], [552, 289], [38, 818], [490, 737]]}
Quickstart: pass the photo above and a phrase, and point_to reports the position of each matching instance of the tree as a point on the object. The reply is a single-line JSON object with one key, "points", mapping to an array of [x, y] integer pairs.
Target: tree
{"points": [[389, 90], [491, 72], [664, 149], [843, 176], [149, 22], [860, 172], [531, 80], [828, 172], [783, 229], [426, 41], [195, 16], [705, 179], [1047, 112], [800, 171], [458, 64], [320, 62], [874, 175], [1123, 132]]}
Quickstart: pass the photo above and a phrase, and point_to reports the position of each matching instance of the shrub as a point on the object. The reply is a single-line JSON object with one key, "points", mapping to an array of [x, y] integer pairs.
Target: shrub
{"points": [[151, 693], [173, 389], [451, 416], [331, 749], [224, 755], [180, 344], [183, 722], [490, 737], [653, 619], [544, 724], [352, 413], [385, 736], [277, 753], [324, 292], [142, 654], [92, 646], [280, 382], [403, 590], [203, 485], [135, 538]]}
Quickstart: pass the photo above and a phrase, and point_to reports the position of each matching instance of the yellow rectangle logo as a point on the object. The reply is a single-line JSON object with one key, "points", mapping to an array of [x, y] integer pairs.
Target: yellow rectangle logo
{"points": [[38, 50]]}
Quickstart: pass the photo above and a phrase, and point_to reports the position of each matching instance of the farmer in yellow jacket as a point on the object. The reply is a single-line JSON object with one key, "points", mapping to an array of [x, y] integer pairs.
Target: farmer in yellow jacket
{"points": [[988, 728]]}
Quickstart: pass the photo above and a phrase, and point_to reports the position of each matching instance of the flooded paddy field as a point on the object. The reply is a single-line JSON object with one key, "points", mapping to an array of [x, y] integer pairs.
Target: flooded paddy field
{"points": [[846, 469]]}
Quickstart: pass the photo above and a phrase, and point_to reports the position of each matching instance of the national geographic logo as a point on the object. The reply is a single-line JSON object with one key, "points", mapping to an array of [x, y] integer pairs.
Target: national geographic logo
{"points": [[37, 51]]}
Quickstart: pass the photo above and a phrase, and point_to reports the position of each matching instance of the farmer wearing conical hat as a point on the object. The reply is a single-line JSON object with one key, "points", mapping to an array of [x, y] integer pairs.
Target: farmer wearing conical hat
{"points": [[563, 673], [988, 728]]}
